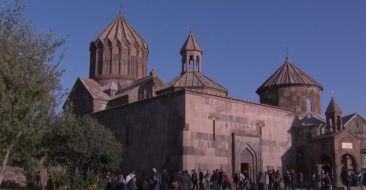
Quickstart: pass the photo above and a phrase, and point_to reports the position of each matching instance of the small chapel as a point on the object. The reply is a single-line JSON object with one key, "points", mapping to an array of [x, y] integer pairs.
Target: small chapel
{"points": [[190, 122]]}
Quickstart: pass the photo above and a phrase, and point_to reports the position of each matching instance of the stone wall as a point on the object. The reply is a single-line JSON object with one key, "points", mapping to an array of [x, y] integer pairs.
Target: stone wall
{"points": [[294, 98], [79, 100], [150, 131], [258, 124]]}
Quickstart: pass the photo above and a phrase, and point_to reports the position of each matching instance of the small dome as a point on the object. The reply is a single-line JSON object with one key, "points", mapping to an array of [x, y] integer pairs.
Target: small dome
{"points": [[191, 44], [333, 107]]}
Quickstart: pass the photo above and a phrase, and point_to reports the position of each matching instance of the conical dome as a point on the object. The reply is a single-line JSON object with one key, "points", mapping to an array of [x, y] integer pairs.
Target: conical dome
{"points": [[119, 29], [289, 74], [191, 44], [333, 107], [118, 54]]}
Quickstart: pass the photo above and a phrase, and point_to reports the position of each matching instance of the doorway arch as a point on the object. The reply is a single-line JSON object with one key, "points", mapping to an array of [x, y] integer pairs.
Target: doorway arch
{"points": [[326, 163], [348, 165]]}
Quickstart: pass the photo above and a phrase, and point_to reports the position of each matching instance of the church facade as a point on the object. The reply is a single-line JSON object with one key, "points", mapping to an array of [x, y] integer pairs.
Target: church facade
{"points": [[190, 122]]}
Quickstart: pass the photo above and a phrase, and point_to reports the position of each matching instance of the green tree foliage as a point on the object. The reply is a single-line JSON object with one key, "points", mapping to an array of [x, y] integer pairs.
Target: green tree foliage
{"points": [[81, 148], [30, 89]]}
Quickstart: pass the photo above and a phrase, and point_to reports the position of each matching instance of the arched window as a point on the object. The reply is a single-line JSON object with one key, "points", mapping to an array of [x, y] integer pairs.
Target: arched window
{"points": [[330, 121], [191, 66], [308, 105], [133, 66]]}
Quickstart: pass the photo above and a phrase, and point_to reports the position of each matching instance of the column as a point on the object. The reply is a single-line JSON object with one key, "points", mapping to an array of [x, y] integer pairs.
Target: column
{"points": [[334, 122], [337, 173], [187, 64], [194, 63], [182, 65], [199, 64]]}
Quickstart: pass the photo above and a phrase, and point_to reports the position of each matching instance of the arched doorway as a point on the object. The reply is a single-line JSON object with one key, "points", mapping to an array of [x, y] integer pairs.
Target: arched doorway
{"points": [[247, 162], [349, 165], [326, 163]]}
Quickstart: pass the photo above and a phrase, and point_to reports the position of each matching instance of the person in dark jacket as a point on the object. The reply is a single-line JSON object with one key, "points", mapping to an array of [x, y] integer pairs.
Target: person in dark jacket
{"points": [[186, 173], [186, 181], [155, 180], [301, 180], [114, 183], [164, 179], [349, 182], [194, 179], [180, 180], [317, 181], [260, 180], [293, 179], [214, 179], [144, 184], [272, 177], [219, 178], [200, 178], [131, 185], [222, 178], [236, 179]]}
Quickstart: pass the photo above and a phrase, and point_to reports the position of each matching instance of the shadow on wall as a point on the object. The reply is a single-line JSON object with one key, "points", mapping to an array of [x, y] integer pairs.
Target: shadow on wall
{"points": [[289, 158]]}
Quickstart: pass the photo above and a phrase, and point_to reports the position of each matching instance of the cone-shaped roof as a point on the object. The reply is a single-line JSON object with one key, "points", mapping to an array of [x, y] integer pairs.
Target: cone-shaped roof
{"points": [[193, 80], [119, 29], [333, 107], [191, 44], [288, 74]]}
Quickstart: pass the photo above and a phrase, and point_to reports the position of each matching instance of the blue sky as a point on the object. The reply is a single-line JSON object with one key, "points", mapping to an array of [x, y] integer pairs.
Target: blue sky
{"points": [[243, 41]]}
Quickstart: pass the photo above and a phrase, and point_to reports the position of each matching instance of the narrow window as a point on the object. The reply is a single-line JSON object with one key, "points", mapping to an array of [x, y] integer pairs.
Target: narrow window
{"points": [[191, 66], [309, 105], [260, 130], [133, 66], [197, 63], [214, 133], [338, 123], [127, 132]]}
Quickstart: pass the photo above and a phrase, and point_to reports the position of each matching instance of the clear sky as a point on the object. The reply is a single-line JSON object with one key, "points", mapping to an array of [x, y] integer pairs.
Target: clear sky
{"points": [[243, 41]]}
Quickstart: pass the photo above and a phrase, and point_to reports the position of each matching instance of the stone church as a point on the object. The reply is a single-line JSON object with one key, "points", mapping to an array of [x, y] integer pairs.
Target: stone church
{"points": [[190, 122]]}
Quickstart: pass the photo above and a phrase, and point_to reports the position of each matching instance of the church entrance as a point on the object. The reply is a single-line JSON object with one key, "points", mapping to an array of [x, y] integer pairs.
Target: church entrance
{"points": [[245, 167], [326, 163], [349, 165]]}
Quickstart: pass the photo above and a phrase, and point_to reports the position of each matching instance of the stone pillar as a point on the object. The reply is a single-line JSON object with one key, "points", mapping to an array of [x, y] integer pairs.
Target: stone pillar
{"points": [[337, 182], [335, 127], [199, 64], [187, 64], [194, 63], [183, 65]]}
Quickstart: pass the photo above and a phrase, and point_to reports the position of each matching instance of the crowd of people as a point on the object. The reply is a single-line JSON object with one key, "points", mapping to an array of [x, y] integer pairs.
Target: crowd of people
{"points": [[218, 180], [269, 180], [179, 180]]}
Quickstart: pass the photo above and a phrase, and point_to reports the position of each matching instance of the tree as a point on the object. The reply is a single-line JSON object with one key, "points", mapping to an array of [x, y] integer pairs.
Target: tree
{"points": [[83, 147], [30, 89]]}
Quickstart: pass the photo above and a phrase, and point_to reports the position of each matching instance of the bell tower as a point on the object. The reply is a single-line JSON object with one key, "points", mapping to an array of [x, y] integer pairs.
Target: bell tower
{"points": [[191, 53], [334, 116], [118, 54]]}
